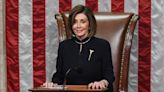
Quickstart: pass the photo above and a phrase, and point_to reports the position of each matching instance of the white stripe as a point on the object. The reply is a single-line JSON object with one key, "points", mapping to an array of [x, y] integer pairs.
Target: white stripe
{"points": [[132, 6], [104, 5], [51, 38], [75, 2], [157, 75], [2, 51], [25, 45]]}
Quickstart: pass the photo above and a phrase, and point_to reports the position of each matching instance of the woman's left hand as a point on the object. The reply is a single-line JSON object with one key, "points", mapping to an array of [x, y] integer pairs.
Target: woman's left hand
{"points": [[98, 84]]}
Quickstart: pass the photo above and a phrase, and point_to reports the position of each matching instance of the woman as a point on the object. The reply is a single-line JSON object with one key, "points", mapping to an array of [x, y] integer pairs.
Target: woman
{"points": [[85, 58]]}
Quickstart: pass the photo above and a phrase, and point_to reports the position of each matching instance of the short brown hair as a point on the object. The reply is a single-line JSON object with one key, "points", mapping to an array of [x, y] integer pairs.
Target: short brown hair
{"points": [[91, 18]]}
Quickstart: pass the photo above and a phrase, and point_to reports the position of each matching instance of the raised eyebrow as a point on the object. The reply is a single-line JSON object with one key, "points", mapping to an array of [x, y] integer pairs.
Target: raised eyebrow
{"points": [[82, 20]]}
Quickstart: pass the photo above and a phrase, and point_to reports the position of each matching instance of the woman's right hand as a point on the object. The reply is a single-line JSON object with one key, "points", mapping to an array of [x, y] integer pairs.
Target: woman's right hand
{"points": [[49, 84]]}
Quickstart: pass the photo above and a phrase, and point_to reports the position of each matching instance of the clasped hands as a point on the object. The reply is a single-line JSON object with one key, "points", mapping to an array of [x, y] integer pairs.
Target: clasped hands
{"points": [[93, 85]]}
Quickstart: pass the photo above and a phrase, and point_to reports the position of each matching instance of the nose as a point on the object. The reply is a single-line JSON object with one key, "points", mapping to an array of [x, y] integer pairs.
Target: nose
{"points": [[78, 25]]}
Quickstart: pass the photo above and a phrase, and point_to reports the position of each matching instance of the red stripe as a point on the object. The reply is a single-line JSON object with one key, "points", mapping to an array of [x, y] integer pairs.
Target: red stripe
{"points": [[65, 5], [12, 51], [117, 5], [92, 4], [144, 46], [39, 42]]}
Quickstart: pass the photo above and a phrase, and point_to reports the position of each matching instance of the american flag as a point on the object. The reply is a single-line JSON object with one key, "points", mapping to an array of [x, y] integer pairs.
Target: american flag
{"points": [[31, 42]]}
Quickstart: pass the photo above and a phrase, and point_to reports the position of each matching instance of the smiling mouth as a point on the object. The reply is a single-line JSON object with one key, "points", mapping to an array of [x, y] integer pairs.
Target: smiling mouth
{"points": [[78, 31]]}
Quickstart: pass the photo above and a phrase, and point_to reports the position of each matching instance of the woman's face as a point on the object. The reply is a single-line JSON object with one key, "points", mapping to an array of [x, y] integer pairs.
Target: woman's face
{"points": [[81, 26]]}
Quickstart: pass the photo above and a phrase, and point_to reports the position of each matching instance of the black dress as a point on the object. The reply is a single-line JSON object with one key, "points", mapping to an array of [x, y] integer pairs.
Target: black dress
{"points": [[89, 60]]}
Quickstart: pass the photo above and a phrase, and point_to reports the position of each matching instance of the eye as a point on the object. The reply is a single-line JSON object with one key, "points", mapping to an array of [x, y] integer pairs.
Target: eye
{"points": [[75, 21], [83, 21]]}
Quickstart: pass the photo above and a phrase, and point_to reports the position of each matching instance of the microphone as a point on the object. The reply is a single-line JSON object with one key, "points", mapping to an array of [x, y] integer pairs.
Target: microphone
{"points": [[78, 69], [65, 78]]}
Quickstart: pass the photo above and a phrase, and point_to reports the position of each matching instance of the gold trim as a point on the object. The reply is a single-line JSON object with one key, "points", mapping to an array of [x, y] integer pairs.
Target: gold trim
{"points": [[127, 44]]}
